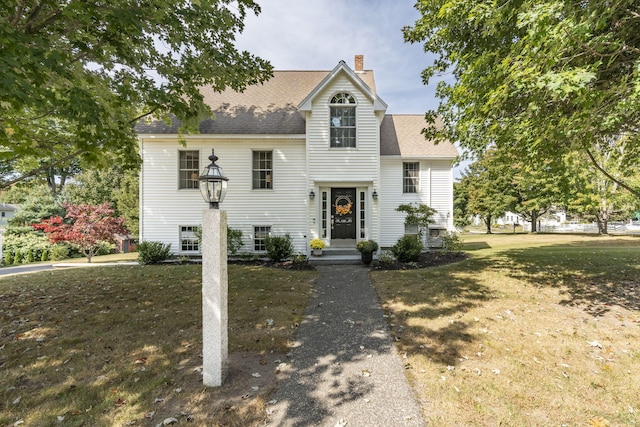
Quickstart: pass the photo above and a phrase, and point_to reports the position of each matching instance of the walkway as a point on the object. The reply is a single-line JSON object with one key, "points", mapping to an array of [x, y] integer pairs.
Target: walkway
{"points": [[345, 369]]}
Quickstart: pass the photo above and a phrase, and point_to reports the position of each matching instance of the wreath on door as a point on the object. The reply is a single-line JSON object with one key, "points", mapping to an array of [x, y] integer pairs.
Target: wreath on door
{"points": [[343, 205]]}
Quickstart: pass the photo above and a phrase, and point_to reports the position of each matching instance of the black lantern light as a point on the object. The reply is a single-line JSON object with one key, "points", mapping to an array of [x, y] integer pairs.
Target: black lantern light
{"points": [[213, 183]]}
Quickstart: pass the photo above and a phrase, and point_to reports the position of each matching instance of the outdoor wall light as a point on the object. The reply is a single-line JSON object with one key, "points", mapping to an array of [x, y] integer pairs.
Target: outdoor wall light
{"points": [[312, 195], [374, 194], [213, 183]]}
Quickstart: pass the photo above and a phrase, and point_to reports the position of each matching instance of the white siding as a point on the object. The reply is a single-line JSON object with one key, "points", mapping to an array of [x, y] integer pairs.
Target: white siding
{"points": [[344, 167], [436, 191], [284, 208]]}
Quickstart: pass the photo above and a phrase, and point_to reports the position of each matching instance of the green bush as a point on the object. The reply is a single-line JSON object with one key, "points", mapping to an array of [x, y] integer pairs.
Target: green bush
{"points": [[407, 248], [59, 252], [29, 258], [153, 252], [234, 241], [451, 242], [386, 260], [8, 257], [278, 247], [44, 256]]}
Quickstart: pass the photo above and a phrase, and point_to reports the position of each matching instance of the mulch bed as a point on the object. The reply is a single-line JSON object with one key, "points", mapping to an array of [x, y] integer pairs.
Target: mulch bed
{"points": [[427, 259]]}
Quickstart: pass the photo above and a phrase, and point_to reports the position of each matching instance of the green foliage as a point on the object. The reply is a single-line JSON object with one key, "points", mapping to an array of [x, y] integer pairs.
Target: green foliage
{"points": [[44, 256], [386, 260], [37, 204], [486, 190], [417, 214], [299, 258], [234, 241], [451, 242], [530, 76], [59, 252], [367, 246], [81, 73], [7, 258], [278, 247], [408, 248], [23, 245], [153, 252]]}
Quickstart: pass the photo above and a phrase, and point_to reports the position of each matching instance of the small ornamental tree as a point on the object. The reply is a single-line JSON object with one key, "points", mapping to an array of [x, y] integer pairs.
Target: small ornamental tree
{"points": [[84, 226]]}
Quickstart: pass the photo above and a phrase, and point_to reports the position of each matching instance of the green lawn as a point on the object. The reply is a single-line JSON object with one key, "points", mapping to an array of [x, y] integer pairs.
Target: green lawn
{"points": [[122, 345], [530, 330]]}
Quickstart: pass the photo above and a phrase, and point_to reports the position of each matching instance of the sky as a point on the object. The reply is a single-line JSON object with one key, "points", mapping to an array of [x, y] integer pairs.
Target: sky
{"points": [[317, 34]]}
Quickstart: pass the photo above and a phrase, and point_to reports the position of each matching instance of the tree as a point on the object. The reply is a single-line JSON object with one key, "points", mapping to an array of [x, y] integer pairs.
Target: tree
{"points": [[487, 188], [535, 78], [597, 197], [36, 203], [417, 214], [77, 75], [86, 226]]}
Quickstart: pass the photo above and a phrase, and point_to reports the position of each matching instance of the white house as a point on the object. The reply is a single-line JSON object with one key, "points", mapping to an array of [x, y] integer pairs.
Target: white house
{"points": [[308, 153]]}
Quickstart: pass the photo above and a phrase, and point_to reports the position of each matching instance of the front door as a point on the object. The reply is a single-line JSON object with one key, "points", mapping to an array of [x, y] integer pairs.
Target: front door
{"points": [[343, 213]]}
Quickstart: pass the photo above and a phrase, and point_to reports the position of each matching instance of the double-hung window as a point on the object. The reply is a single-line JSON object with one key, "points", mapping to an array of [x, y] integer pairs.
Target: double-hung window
{"points": [[410, 177], [260, 234], [342, 121], [189, 241], [189, 169], [262, 170]]}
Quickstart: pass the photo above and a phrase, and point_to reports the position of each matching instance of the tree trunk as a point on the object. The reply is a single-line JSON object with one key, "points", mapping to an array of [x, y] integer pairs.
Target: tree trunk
{"points": [[487, 223], [534, 221]]}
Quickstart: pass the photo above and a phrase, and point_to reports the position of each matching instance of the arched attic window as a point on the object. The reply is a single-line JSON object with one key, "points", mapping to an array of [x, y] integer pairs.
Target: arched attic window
{"points": [[343, 121]]}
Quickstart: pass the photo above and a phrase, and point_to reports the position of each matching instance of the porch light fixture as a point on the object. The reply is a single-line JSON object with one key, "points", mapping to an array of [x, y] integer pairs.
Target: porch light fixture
{"points": [[312, 195], [374, 194], [213, 183]]}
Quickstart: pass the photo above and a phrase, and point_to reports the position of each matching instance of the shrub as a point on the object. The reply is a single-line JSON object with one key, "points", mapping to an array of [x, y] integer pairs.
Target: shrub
{"points": [[386, 260], [299, 258], [234, 241], [59, 252], [44, 256], [29, 258], [451, 242], [8, 258], [408, 248], [278, 247], [153, 252]]}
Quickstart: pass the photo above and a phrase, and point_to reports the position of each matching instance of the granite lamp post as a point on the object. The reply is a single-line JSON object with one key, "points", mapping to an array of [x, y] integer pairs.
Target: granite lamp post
{"points": [[215, 339]]}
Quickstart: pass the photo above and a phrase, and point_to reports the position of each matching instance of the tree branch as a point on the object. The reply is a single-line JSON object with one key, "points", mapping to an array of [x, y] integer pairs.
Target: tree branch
{"points": [[633, 191], [40, 169]]}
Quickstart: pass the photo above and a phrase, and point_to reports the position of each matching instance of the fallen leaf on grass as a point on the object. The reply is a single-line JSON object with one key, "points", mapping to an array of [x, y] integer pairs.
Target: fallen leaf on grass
{"points": [[598, 422]]}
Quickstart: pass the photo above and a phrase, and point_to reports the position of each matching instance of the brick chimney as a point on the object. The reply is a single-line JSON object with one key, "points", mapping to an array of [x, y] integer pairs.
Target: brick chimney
{"points": [[359, 63]]}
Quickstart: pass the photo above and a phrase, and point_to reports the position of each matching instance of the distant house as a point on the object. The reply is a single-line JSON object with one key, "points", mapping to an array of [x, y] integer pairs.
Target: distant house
{"points": [[6, 213], [308, 153]]}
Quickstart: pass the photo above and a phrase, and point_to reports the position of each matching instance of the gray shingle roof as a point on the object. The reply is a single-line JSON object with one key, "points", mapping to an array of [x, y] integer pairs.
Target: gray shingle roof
{"points": [[268, 108], [401, 135], [272, 108]]}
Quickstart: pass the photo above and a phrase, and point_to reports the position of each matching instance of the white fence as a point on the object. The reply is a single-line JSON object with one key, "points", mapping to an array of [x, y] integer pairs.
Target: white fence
{"points": [[632, 227]]}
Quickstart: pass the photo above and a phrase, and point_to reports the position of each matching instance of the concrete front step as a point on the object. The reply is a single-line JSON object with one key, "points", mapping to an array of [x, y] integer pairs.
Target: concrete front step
{"points": [[337, 257]]}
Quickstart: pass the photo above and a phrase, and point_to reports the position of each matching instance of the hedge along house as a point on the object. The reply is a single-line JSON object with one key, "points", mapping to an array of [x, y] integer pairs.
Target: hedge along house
{"points": [[308, 153]]}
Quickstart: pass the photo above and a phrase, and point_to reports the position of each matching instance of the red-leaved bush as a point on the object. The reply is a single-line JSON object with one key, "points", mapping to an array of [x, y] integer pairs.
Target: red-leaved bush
{"points": [[84, 226]]}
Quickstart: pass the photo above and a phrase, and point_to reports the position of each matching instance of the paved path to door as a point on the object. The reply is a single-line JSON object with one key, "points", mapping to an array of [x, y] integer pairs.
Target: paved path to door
{"points": [[345, 370]]}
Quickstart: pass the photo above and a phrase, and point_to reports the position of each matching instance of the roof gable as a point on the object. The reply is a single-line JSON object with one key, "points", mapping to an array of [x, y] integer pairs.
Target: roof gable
{"points": [[343, 68]]}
